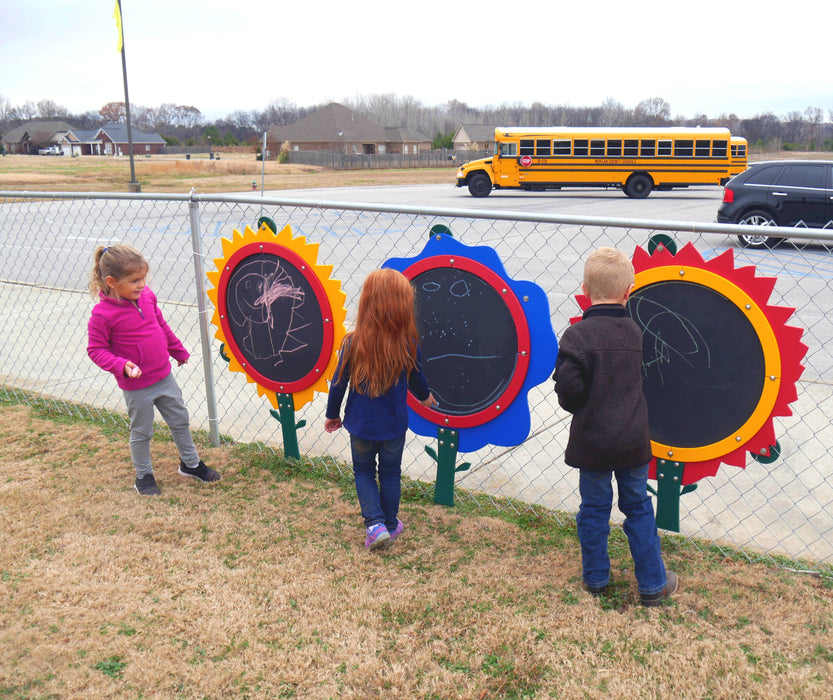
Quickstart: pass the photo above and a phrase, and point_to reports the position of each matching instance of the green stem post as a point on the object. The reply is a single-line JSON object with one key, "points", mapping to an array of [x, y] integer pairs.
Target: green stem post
{"points": [[285, 415], [446, 461], [668, 492]]}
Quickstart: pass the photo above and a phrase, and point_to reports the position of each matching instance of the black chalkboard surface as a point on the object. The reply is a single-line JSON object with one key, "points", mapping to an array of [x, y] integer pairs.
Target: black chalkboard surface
{"points": [[468, 339], [274, 319], [703, 363]]}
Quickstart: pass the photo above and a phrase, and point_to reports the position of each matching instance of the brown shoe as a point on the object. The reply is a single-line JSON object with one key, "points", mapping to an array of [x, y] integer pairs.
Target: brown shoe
{"points": [[652, 600]]}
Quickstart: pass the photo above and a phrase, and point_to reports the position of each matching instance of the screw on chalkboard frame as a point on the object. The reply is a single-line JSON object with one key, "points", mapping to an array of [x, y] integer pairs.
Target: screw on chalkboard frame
{"points": [[446, 458]]}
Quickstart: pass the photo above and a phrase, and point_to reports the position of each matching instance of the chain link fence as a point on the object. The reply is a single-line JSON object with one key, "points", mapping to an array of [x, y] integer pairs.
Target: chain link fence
{"points": [[766, 511]]}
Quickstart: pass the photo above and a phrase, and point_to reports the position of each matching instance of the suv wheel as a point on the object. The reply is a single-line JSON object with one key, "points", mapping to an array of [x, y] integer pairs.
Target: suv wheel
{"points": [[757, 217]]}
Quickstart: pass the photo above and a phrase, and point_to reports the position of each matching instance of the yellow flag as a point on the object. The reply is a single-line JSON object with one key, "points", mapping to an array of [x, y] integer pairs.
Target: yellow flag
{"points": [[117, 17]]}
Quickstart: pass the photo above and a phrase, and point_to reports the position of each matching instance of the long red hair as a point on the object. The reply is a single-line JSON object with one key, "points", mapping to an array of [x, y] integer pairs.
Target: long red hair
{"points": [[384, 341]]}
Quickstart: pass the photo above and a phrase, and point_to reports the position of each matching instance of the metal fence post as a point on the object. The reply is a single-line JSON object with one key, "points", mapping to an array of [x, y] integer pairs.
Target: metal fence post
{"points": [[205, 338]]}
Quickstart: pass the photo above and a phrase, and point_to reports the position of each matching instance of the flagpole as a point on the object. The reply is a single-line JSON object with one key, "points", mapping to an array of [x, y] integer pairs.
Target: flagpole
{"points": [[133, 185]]}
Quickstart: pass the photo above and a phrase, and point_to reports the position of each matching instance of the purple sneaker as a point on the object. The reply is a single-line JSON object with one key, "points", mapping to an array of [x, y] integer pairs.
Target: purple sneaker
{"points": [[400, 528], [377, 535]]}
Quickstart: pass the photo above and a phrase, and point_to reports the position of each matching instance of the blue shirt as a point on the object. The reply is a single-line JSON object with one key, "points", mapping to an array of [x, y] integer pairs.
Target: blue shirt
{"points": [[384, 417]]}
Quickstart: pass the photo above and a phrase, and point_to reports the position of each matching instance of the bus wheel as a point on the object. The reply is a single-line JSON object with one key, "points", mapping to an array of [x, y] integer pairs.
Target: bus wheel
{"points": [[638, 186], [480, 185]]}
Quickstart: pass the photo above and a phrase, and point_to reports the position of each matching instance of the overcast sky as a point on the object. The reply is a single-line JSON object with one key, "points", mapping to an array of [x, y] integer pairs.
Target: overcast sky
{"points": [[712, 57]]}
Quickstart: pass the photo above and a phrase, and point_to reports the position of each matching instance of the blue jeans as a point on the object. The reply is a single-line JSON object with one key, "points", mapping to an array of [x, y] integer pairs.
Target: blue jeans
{"points": [[379, 502], [593, 524]]}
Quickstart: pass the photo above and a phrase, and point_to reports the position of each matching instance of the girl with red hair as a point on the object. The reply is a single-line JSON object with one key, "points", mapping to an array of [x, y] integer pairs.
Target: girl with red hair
{"points": [[379, 360]]}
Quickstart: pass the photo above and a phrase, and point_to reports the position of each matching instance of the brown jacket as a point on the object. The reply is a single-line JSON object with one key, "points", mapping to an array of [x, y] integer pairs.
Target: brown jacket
{"points": [[598, 378]]}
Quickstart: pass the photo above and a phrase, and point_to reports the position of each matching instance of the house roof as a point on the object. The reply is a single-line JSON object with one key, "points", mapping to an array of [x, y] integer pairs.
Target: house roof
{"points": [[403, 134], [117, 133], [334, 122], [475, 132], [81, 135], [37, 131], [45, 131]]}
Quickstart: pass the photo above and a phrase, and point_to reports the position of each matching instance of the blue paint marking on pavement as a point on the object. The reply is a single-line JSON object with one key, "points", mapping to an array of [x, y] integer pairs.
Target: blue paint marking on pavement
{"points": [[782, 261]]}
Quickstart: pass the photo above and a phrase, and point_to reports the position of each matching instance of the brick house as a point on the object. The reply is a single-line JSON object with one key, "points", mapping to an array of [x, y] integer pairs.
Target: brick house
{"points": [[105, 140], [111, 139], [474, 137], [339, 129], [28, 138]]}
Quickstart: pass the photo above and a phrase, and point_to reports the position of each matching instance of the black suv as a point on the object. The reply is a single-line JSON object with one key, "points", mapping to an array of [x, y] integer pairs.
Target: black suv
{"points": [[779, 193]]}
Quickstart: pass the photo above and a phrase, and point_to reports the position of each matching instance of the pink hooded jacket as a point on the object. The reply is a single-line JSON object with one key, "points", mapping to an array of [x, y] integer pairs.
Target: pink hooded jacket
{"points": [[120, 330]]}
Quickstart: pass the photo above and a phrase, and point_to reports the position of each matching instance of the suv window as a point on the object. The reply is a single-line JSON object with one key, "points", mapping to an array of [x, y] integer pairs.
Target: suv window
{"points": [[803, 176], [764, 176]]}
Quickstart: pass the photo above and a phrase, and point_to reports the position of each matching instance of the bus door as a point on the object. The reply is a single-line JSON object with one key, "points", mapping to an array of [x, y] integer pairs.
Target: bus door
{"points": [[505, 164]]}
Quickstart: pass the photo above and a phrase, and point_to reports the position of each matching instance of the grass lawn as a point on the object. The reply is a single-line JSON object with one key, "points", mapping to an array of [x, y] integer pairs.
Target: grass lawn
{"points": [[233, 173], [259, 586]]}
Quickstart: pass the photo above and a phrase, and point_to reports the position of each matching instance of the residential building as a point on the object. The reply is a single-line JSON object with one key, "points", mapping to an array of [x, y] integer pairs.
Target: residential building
{"points": [[339, 129]]}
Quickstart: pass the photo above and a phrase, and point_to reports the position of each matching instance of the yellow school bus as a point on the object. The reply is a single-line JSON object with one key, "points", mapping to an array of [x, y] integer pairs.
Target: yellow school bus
{"points": [[739, 148], [636, 160]]}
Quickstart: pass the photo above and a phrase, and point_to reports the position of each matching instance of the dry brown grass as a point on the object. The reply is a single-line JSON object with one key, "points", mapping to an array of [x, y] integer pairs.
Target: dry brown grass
{"points": [[231, 173], [259, 586]]}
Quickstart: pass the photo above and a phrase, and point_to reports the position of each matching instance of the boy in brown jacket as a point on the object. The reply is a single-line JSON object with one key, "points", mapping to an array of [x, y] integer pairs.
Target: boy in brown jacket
{"points": [[598, 378]]}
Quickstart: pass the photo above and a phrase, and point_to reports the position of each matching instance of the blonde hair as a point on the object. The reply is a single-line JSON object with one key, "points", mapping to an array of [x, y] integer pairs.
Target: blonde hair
{"points": [[384, 342], [608, 273], [116, 261]]}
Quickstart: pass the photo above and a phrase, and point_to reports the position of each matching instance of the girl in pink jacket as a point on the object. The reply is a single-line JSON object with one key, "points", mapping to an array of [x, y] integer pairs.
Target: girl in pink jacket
{"points": [[129, 337]]}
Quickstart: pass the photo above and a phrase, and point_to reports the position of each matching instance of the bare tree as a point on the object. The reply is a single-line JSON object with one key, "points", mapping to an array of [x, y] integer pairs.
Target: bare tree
{"points": [[814, 118], [653, 111], [49, 109], [7, 112], [613, 113], [28, 110], [793, 126]]}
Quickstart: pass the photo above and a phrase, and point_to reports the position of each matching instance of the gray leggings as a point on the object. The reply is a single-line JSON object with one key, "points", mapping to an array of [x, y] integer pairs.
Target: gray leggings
{"points": [[167, 397]]}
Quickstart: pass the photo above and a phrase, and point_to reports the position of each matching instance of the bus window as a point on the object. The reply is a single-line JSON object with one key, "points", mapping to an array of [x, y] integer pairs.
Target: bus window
{"points": [[719, 149], [527, 147], [561, 147], [580, 147], [684, 147], [614, 147], [702, 148], [631, 148], [648, 147], [597, 147], [542, 147], [664, 148], [509, 149]]}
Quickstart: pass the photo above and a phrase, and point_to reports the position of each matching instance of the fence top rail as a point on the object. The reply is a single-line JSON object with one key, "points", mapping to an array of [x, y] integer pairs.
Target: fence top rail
{"points": [[799, 233]]}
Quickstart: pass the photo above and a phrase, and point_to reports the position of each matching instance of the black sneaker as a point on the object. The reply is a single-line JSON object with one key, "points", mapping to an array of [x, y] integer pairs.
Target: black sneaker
{"points": [[653, 600], [200, 472], [146, 486], [596, 591]]}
